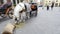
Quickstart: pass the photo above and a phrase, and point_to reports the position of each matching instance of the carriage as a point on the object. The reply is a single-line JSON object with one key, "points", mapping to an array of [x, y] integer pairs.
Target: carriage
{"points": [[5, 10]]}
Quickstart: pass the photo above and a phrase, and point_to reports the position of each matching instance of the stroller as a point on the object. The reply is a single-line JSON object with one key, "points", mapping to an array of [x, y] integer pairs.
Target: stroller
{"points": [[47, 7]]}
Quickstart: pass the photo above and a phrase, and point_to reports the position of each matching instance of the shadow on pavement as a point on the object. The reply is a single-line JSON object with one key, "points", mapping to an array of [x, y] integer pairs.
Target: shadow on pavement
{"points": [[3, 19]]}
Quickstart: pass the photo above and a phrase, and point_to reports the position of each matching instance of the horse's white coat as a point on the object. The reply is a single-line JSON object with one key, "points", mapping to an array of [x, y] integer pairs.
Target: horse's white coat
{"points": [[19, 7], [23, 16]]}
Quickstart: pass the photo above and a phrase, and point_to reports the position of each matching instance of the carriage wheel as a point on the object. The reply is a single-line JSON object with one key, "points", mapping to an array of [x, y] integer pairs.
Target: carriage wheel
{"points": [[10, 15], [2, 15]]}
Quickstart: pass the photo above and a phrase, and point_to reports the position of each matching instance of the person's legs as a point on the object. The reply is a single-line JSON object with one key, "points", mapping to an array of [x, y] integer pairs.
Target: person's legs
{"points": [[51, 8], [47, 7], [30, 13]]}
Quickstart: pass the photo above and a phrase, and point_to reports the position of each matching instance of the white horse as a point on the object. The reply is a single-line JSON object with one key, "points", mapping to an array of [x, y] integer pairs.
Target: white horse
{"points": [[18, 11]]}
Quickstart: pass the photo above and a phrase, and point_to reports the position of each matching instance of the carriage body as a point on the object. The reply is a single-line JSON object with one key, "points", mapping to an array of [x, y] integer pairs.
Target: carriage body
{"points": [[5, 8]]}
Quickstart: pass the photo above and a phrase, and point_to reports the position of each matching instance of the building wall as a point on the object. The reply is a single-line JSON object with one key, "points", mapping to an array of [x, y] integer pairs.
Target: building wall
{"points": [[44, 2], [55, 1]]}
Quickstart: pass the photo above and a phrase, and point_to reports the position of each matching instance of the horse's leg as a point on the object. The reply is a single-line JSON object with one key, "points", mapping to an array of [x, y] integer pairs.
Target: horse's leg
{"points": [[21, 17], [17, 20]]}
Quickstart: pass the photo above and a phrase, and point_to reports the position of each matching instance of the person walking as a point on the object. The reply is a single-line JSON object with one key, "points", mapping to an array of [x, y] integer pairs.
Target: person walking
{"points": [[52, 5], [47, 7]]}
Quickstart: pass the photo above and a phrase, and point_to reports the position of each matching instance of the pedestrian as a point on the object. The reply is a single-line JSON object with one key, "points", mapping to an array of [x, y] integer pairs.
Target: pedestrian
{"points": [[52, 5], [47, 7]]}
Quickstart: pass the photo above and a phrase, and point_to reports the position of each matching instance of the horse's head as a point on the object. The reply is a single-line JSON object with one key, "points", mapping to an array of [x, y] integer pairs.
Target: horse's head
{"points": [[22, 5]]}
